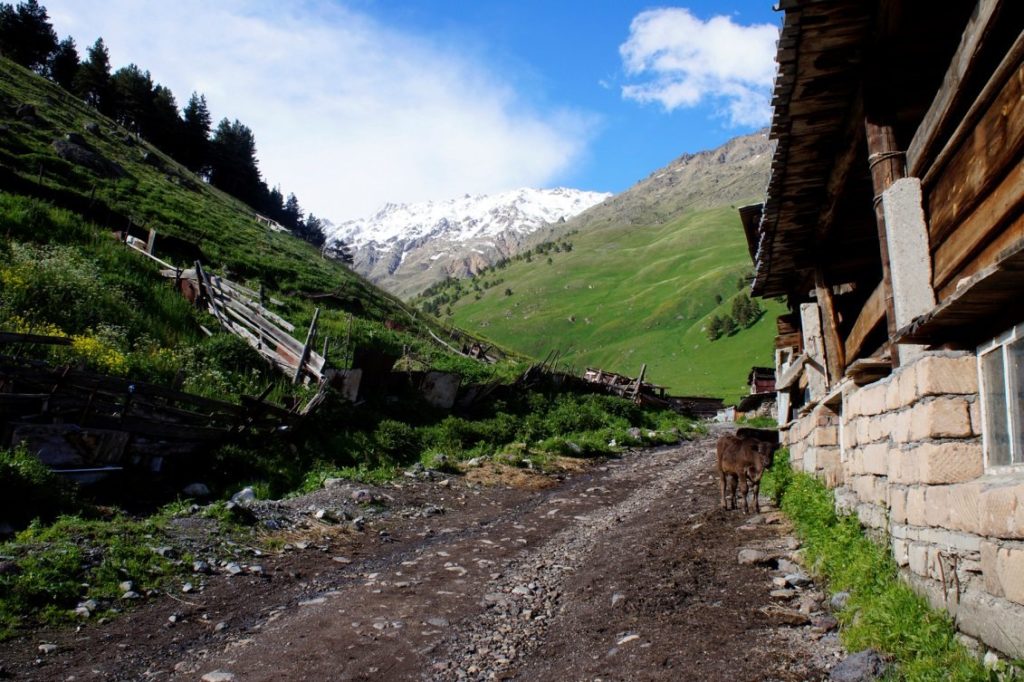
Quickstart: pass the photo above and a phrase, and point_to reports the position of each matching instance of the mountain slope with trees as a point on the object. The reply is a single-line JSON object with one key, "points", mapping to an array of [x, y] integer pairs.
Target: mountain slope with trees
{"points": [[224, 155]]}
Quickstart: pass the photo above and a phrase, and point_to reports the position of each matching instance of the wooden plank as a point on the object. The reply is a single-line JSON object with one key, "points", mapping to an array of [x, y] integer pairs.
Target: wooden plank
{"points": [[1011, 60], [162, 430], [250, 299], [788, 323], [791, 340], [14, 337], [283, 344], [789, 376], [887, 165], [986, 304], [222, 305], [306, 346], [204, 288], [278, 336], [978, 228], [835, 359], [988, 256], [91, 381], [868, 370], [949, 96], [141, 250], [871, 314], [992, 146], [838, 178]]}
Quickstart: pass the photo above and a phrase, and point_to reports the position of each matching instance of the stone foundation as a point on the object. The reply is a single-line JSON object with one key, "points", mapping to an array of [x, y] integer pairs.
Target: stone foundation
{"points": [[905, 454]]}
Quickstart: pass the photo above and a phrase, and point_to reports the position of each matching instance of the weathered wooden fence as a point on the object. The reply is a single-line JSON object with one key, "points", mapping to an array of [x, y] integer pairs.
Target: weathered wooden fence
{"points": [[242, 312], [86, 424]]}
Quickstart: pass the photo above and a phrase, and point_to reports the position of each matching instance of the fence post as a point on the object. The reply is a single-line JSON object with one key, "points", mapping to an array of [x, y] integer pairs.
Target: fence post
{"points": [[305, 348]]}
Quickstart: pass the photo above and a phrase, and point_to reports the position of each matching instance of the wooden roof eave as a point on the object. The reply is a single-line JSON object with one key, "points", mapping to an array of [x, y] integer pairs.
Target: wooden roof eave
{"points": [[818, 41], [984, 305]]}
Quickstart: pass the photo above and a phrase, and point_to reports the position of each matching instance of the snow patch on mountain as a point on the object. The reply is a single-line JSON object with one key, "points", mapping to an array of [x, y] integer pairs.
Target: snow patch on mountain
{"points": [[467, 217], [455, 237]]}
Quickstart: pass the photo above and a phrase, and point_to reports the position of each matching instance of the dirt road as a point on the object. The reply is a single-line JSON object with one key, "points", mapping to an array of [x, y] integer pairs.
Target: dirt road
{"points": [[624, 571]]}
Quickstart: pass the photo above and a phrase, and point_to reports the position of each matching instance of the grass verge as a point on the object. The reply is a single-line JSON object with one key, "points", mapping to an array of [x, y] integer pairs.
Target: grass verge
{"points": [[882, 611]]}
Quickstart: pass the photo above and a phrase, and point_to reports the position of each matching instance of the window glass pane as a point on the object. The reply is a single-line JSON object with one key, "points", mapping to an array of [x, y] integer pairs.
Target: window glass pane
{"points": [[996, 431], [1015, 356]]}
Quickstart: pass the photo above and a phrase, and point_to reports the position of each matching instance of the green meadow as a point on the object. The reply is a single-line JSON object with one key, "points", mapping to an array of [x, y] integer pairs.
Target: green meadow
{"points": [[627, 296]]}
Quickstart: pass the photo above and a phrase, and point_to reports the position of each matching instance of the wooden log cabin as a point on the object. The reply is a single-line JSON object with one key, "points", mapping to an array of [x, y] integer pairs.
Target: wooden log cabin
{"points": [[893, 226]]}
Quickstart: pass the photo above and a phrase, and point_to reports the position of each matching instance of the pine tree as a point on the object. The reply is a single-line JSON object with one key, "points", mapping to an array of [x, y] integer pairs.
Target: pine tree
{"points": [[312, 230], [26, 35], [163, 125], [233, 164], [275, 204], [64, 64], [340, 251], [92, 82], [131, 91], [741, 309], [729, 326], [195, 145], [714, 330], [292, 213], [754, 311]]}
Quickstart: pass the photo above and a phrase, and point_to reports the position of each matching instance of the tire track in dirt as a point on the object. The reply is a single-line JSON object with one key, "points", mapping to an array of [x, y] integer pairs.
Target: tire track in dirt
{"points": [[523, 603], [624, 571]]}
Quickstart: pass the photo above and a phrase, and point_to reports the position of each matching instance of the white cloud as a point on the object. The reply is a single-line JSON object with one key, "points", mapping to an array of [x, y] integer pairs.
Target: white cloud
{"points": [[347, 113], [680, 61]]}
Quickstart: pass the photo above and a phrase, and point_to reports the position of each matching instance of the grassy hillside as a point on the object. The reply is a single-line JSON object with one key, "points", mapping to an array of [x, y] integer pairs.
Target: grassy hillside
{"points": [[729, 175], [58, 208], [628, 295]]}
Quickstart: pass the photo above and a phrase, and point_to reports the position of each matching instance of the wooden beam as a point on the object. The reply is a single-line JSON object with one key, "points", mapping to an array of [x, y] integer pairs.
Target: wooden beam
{"points": [[639, 381], [978, 228], [149, 255], [789, 376], [835, 359], [840, 174], [993, 145], [981, 105], [988, 256], [887, 165], [791, 340], [305, 348], [211, 296], [950, 95], [14, 337], [871, 314]]}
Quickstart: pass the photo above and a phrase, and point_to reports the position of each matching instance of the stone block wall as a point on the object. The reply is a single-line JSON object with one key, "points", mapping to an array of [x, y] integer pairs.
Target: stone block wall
{"points": [[813, 441], [905, 454]]}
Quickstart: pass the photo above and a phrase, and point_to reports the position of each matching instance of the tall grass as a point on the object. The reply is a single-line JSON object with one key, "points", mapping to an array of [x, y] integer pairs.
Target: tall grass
{"points": [[882, 611]]}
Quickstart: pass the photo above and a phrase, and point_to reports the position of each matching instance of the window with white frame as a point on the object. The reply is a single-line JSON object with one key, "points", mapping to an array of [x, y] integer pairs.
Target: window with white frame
{"points": [[1001, 374]]}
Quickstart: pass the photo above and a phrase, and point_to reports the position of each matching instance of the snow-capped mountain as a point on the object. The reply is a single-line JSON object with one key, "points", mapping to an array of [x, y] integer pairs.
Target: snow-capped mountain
{"points": [[407, 247]]}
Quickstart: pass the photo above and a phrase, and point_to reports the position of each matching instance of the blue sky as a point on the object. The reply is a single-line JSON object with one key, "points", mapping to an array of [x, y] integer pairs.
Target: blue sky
{"points": [[362, 102]]}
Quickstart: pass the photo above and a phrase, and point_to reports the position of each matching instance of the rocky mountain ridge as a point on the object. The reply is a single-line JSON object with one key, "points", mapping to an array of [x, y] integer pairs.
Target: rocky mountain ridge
{"points": [[406, 247], [734, 172]]}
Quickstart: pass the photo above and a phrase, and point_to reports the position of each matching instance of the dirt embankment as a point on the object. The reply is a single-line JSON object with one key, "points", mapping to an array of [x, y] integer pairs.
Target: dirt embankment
{"points": [[624, 571]]}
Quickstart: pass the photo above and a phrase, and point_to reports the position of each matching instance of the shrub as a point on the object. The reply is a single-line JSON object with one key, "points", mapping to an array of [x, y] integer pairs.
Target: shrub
{"points": [[58, 285], [395, 441], [28, 489]]}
